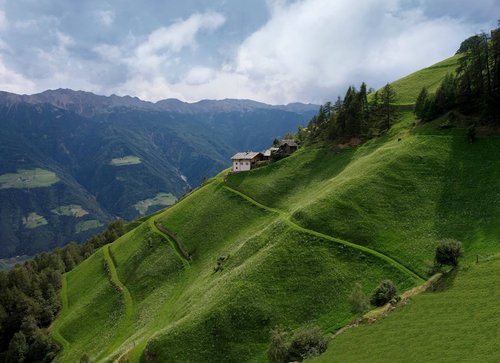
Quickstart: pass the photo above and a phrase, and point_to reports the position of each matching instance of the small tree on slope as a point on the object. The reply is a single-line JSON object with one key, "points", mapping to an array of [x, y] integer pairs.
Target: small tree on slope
{"points": [[448, 252]]}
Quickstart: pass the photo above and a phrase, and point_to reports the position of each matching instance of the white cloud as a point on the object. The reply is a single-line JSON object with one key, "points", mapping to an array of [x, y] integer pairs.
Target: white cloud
{"points": [[110, 53], [105, 17], [179, 35], [4, 23], [11, 81], [309, 50]]}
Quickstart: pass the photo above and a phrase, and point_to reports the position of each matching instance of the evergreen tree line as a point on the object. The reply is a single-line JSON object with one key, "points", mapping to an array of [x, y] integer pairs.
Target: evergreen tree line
{"points": [[475, 89], [355, 116], [29, 300]]}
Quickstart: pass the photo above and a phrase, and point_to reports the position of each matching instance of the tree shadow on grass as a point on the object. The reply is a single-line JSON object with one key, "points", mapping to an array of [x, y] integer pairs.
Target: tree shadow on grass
{"points": [[446, 282]]}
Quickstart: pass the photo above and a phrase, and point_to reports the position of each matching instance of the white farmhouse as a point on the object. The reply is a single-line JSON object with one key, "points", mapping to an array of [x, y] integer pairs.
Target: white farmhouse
{"points": [[245, 161]]}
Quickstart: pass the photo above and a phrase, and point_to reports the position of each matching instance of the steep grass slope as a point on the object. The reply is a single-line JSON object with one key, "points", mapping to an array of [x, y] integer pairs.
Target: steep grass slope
{"points": [[460, 323], [290, 241], [399, 197], [274, 273], [408, 88]]}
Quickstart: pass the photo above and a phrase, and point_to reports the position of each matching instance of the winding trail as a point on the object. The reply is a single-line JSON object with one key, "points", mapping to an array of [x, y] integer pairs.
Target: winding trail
{"points": [[127, 299], [286, 218], [55, 327], [176, 246]]}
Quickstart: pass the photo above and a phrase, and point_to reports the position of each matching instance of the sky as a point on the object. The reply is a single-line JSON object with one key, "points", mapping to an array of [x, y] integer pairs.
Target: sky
{"points": [[273, 51]]}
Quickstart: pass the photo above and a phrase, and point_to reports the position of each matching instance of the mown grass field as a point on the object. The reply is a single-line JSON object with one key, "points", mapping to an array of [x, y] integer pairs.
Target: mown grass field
{"points": [[295, 237], [33, 178], [458, 323], [70, 210], [126, 160], [160, 199], [87, 225], [34, 220]]}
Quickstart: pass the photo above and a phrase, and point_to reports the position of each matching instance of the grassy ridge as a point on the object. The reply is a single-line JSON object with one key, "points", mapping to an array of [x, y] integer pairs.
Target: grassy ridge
{"points": [[408, 88], [460, 323]]}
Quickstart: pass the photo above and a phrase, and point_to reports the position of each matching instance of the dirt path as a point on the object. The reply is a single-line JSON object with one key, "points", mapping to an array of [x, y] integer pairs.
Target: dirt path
{"points": [[286, 218]]}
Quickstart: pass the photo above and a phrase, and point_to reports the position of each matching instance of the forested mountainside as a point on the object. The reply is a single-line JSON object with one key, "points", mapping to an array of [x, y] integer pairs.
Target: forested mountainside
{"points": [[73, 161]]}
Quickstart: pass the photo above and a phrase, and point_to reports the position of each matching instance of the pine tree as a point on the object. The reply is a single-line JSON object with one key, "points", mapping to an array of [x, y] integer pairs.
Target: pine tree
{"points": [[420, 103], [388, 112]]}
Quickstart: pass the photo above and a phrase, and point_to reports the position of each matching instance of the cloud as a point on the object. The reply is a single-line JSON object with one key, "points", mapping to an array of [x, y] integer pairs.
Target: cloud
{"points": [[309, 50], [11, 81], [313, 48], [304, 50], [179, 35], [105, 17], [4, 23]]}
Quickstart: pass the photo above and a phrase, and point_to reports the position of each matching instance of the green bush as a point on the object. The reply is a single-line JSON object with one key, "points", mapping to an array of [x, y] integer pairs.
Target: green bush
{"points": [[384, 293], [448, 252], [305, 343], [358, 300], [278, 350]]}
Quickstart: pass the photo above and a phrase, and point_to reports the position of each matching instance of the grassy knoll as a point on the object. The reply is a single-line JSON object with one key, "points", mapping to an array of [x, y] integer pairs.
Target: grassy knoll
{"points": [[33, 220], [161, 199], [408, 88], [87, 225], [70, 210], [125, 161], [461, 323], [33, 178]]}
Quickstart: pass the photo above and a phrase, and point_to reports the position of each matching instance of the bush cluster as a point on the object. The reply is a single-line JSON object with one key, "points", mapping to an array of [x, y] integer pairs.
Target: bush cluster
{"points": [[305, 343]]}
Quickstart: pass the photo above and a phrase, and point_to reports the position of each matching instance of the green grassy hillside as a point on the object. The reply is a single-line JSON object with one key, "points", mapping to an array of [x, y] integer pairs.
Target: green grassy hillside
{"points": [[459, 323], [290, 241], [408, 88], [186, 311]]}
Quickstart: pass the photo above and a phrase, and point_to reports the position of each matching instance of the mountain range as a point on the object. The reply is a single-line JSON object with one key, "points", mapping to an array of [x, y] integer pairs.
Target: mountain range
{"points": [[72, 161]]}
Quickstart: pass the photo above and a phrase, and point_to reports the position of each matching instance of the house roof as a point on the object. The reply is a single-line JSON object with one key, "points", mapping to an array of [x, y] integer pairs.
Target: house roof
{"points": [[245, 155], [290, 142]]}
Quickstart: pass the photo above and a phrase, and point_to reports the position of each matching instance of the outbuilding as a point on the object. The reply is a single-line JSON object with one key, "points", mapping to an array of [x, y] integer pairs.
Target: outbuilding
{"points": [[288, 146]]}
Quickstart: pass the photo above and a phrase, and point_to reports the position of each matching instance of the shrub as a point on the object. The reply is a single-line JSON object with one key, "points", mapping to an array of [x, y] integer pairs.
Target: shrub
{"points": [[384, 293], [307, 343], [358, 300], [278, 350], [448, 252]]}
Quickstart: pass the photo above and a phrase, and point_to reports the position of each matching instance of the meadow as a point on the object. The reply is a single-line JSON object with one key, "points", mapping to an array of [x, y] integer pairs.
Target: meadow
{"points": [[285, 244], [126, 160], [458, 322], [160, 199], [33, 178]]}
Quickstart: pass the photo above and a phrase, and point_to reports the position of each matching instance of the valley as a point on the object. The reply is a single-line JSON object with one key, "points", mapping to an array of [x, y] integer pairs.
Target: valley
{"points": [[117, 157]]}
